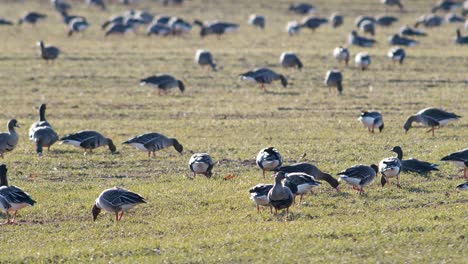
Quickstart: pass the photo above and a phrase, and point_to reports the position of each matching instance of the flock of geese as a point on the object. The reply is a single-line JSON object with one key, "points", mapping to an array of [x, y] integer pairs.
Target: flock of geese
{"points": [[290, 181]]}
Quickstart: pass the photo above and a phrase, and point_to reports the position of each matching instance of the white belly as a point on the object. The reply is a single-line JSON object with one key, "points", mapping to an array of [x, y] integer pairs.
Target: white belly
{"points": [[352, 181], [17, 206], [446, 121], [367, 121], [392, 172], [200, 167], [72, 142], [304, 188], [139, 146], [270, 165], [458, 163], [260, 200]]}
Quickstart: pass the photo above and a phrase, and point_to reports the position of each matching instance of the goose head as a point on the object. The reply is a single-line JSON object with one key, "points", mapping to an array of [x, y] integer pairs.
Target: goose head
{"points": [[95, 212], [40, 43], [375, 168], [3, 175], [111, 145], [12, 124], [177, 145], [181, 86]]}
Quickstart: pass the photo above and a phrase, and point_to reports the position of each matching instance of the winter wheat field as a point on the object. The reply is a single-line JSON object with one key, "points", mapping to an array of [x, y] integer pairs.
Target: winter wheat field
{"points": [[95, 85]]}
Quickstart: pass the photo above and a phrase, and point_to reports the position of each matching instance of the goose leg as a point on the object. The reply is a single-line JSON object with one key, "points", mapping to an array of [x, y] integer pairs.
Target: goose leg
{"points": [[263, 173], [398, 181], [116, 216], [271, 209], [300, 199], [14, 218], [121, 214], [149, 154], [258, 209], [464, 173]]}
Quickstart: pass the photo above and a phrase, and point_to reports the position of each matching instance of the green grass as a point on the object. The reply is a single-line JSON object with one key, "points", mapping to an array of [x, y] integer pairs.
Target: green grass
{"points": [[94, 85]]}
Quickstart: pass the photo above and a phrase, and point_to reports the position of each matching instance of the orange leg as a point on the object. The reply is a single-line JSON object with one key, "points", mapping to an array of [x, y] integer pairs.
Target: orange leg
{"points": [[464, 173], [120, 216]]}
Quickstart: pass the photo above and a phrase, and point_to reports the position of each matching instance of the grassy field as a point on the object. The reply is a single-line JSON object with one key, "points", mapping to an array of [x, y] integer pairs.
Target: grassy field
{"points": [[94, 85]]}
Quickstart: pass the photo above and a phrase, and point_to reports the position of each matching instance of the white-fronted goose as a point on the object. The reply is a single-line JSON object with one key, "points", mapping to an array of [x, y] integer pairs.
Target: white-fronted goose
{"points": [[9, 140], [12, 198], [431, 20], [98, 3], [368, 27], [302, 8], [264, 76], [459, 158], [361, 19], [61, 5], [31, 18], [201, 163], [259, 195], [205, 58], [461, 40], [48, 53], [371, 120], [280, 196], [463, 186], [304, 183], [397, 54], [310, 169], [257, 21], [414, 165], [397, 40], [341, 54], [445, 5], [163, 82], [334, 78], [5, 22], [385, 21], [409, 31], [355, 39], [393, 3], [77, 25], [88, 140], [359, 176], [290, 60], [313, 22], [454, 18], [116, 200], [293, 28], [152, 142], [336, 19], [268, 159], [431, 117], [216, 28], [390, 168], [363, 60]]}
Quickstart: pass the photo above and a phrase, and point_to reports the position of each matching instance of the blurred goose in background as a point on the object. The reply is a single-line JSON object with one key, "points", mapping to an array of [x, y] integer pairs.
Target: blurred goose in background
{"points": [[280, 196], [152, 142], [117, 19], [385, 21], [88, 140], [268, 159], [409, 31], [31, 18], [312, 170], [302, 8], [264, 76], [431, 117], [445, 5], [68, 18], [341, 54], [257, 21], [313, 22], [397, 40], [293, 27], [368, 27], [77, 25], [201, 163], [163, 82], [48, 53], [259, 195], [5, 22], [179, 26], [336, 19], [361, 19], [359, 176], [120, 29], [459, 158], [116, 200], [9, 140], [461, 40], [355, 39], [173, 2], [363, 60], [390, 168], [454, 18], [463, 186], [334, 78], [393, 3], [61, 5], [414, 165], [430, 20], [204, 58], [371, 120], [98, 3], [397, 54], [12, 198], [290, 60], [216, 28], [465, 9], [304, 183], [158, 29]]}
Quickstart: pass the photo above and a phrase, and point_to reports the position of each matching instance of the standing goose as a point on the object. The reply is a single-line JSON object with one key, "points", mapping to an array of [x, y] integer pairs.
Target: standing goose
{"points": [[61, 5], [397, 54], [368, 27], [431, 117], [359, 176], [204, 58], [12, 198], [389, 168], [355, 39], [312, 170], [334, 78], [268, 159], [459, 158], [303, 182], [257, 21], [363, 60], [414, 165], [42, 133], [163, 82], [158, 29], [409, 31], [48, 53], [397, 40], [9, 140], [264, 76], [280, 196], [341, 54], [290, 60], [302, 8], [216, 28], [431, 20], [371, 120], [293, 27], [88, 140], [31, 18], [461, 40], [393, 3], [116, 200], [361, 19], [385, 21], [98, 3], [259, 194], [42, 120], [152, 142], [463, 186], [313, 22], [336, 19], [445, 5], [77, 25], [201, 163]]}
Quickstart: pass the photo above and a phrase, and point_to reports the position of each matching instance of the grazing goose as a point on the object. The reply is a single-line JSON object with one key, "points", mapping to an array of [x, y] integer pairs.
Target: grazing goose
{"points": [[336, 19], [61, 5], [98, 3], [120, 29], [158, 29], [48, 53], [204, 58], [303, 182], [117, 19], [430, 20], [201, 163], [409, 31], [280, 196], [77, 25], [12, 198], [116, 200], [179, 26], [459, 158], [9, 140], [68, 18], [302, 8], [334, 78], [363, 60], [393, 3], [397, 40], [390, 168], [397, 54], [359, 176], [341, 54], [268, 159], [454, 18], [259, 194], [313, 22], [431, 117], [355, 39], [152, 142], [31, 18], [368, 27], [264, 76], [463, 186], [42, 120], [293, 27], [385, 21], [371, 120], [216, 28], [445, 5], [164, 82], [88, 140], [257, 21], [4, 22], [290, 60], [310, 169], [361, 19], [414, 165], [461, 40]]}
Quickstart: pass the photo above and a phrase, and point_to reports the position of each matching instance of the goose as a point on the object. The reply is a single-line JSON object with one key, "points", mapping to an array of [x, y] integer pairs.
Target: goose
{"points": [[431, 117], [280, 196], [334, 78], [259, 195], [341, 54], [120, 29], [164, 82], [430, 20], [393, 3], [31, 18], [204, 58], [61, 5], [463, 186], [216, 28], [385, 21], [414, 165], [397, 54], [12, 198], [77, 25], [44, 136], [368, 27], [361, 19], [355, 39], [359, 176], [257, 21], [264, 76], [303, 182], [313, 22], [293, 28], [371, 120], [9, 140], [116, 200], [445, 5], [290, 60], [201, 163], [163, 20], [397, 40], [390, 168], [409, 31], [465, 9], [42, 120], [117, 19], [312, 170], [152, 142], [68, 18], [363, 60], [268, 159], [461, 40], [88, 140], [336, 19], [158, 29], [179, 26], [454, 18], [459, 158], [98, 3], [144, 17], [302, 8], [48, 53], [173, 2], [5, 22]]}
